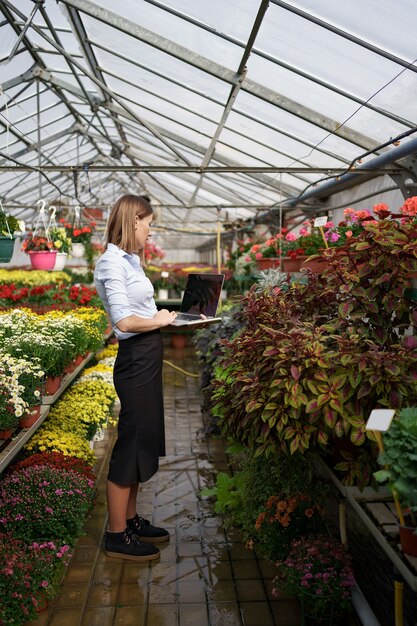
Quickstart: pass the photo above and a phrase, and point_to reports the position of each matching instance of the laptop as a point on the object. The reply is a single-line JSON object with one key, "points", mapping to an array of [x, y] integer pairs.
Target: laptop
{"points": [[201, 296]]}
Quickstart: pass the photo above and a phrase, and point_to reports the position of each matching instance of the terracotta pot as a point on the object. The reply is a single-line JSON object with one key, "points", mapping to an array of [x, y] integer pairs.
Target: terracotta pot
{"points": [[32, 416], [43, 260], [69, 368], [315, 265], [408, 537], [78, 360], [291, 265], [52, 384], [179, 341], [6, 433], [264, 264]]}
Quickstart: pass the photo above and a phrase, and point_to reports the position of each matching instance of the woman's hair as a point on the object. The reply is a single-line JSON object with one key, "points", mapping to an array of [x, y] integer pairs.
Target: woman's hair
{"points": [[121, 224]]}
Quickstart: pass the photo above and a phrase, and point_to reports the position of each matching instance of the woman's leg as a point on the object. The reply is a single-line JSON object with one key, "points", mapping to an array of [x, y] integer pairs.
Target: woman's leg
{"points": [[132, 501], [117, 504]]}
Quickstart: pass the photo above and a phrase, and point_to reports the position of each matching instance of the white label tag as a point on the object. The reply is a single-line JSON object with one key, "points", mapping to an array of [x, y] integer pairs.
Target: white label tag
{"points": [[380, 419], [320, 221]]}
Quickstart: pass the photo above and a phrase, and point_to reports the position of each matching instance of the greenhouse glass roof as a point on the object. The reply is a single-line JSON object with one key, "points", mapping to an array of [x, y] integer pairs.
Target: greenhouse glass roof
{"points": [[216, 110]]}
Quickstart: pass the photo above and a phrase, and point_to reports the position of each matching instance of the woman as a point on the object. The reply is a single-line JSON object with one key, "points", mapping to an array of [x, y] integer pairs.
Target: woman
{"points": [[127, 296]]}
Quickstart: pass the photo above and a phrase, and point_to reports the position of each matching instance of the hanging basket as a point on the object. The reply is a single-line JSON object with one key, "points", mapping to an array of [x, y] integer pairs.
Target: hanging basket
{"points": [[6, 249], [44, 260], [319, 610], [77, 250], [61, 259]]}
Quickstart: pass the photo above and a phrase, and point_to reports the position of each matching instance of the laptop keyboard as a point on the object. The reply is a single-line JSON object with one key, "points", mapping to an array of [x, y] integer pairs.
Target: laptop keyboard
{"points": [[187, 317]]}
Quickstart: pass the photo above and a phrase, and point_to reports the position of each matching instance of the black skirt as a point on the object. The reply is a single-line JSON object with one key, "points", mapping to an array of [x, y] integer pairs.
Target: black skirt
{"points": [[141, 432]]}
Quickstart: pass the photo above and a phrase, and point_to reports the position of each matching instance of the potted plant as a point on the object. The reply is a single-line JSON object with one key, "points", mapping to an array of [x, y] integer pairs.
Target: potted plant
{"points": [[399, 461], [41, 251], [317, 570], [80, 236], [8, 225], [161, 285], [45, 502], [63, 245], [305, 371], [29, 573]]}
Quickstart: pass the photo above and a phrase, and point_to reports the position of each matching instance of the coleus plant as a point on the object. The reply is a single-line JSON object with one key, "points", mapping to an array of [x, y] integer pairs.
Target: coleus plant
{"points": [[312, 361]]}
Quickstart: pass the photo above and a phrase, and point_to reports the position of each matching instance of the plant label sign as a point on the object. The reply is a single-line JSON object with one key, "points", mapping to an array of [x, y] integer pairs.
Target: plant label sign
{"points": [[380, 419], [320, 221]]}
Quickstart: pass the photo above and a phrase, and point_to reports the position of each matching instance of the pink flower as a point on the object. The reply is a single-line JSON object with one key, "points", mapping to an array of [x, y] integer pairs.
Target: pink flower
{"points": [[290, 237], [409, 207], [348, 233], [348, 212], [258, 255], [328, 225], [334, 237], [303, 232]]}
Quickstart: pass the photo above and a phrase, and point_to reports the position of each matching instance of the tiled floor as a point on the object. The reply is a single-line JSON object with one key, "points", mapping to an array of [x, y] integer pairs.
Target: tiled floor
{"points": [[205, 575]]}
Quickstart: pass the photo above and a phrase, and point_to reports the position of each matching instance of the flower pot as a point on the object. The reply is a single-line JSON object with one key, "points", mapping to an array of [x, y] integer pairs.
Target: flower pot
{"points": [[291, 265], [77, 250], [52, 384], [31, 416], [264, 264], [178, 341], [78, 360], [315, 265], [318, 610], [6, 249], [6, 433], [43, 260], [408, 538], [61, 259], [162, 294]]}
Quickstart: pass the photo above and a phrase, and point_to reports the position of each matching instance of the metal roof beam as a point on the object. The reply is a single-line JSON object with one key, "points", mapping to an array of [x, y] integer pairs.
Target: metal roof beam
{"points": [[212, 99], [91, 76], [341, 33], [215, 69], [292, 68], [240, 75]]}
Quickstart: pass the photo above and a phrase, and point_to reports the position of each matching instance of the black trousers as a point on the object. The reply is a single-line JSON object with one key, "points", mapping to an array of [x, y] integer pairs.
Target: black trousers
{"points": [[141, 432]]}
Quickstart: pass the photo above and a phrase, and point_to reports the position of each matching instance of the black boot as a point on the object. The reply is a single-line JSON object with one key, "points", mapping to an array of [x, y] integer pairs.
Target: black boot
{"points": [[126, 546], [144, 531]]}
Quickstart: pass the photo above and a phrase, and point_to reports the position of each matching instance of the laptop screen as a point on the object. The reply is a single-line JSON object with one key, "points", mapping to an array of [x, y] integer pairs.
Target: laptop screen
{"points": [[202, 294]]}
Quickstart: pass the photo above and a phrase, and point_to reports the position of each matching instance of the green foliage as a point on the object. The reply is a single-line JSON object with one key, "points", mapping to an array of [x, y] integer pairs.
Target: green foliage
{"points": [[311, 361], [247, 500], [400, 458]]}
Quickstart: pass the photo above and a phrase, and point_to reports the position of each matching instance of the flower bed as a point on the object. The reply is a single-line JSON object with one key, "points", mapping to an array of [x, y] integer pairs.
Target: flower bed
{"points": [[48, 494]]}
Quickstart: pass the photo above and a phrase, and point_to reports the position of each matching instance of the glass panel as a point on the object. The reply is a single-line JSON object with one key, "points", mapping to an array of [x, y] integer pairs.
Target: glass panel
{"points": [[156, 60]]}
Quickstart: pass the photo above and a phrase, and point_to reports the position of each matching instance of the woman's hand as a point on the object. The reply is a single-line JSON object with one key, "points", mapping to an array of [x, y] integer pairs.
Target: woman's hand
{"points": [[165, 317]]}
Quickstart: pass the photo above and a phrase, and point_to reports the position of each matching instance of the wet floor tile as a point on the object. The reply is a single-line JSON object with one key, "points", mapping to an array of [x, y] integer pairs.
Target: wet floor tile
{"points": [[162, 615], [223, 591], [108, 573], [130, 616], [65, 617], [98, 616], [102, 595], [193, 614], [163, 594], [192, 591], [256, 614], [286, 613], [72, 595], [251, 590], [224, 614], [132, 594]]}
